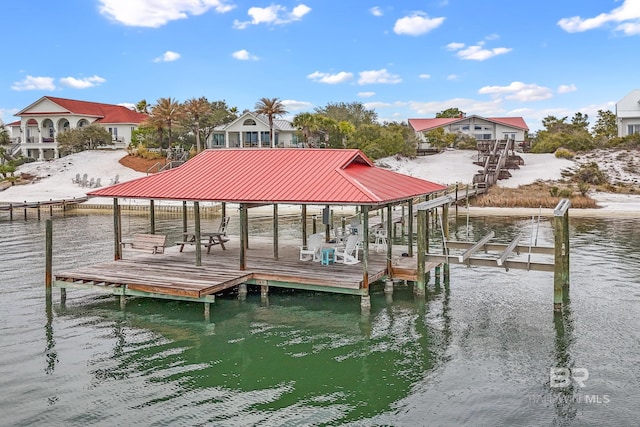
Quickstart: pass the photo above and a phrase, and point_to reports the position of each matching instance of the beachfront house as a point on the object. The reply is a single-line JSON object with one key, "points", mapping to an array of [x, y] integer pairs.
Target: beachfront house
{"points": [[628, 114], [481, 128], [251, 130], [35, 134]]}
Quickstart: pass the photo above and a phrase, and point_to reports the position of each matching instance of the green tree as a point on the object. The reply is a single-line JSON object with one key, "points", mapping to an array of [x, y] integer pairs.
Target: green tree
{"points": [[194, 109], [4, 136], [574, 136], [83, 138], [270, 107], [219, 113], [605, 127], [450, 113], [165, 114], [355, 113], [306, 123], [142, 106]]}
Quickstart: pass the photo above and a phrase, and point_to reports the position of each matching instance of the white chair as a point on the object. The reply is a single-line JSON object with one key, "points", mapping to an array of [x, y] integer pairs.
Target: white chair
{"points": [[311, 252], [380, 235], [349, 252]]}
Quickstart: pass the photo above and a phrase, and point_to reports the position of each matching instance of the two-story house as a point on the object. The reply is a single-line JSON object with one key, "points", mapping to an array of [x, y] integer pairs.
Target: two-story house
{"points": [[628, 114], [481, 128], [35, 134]]}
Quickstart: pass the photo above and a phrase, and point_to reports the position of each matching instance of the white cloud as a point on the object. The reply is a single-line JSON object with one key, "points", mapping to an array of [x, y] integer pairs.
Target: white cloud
{"points": [[378, 76], [424, 76], [128, 105], [376, 11], [416, 24], [366, 94], [340, 77], [244, 55], [477, 52], [628, 15], [293, 105], [87, 82], [168, 56], [455, 46], [272, 15], [452, 77], [567, 88], [374, 105], [518, 91], [156, 13], [34, 83]]}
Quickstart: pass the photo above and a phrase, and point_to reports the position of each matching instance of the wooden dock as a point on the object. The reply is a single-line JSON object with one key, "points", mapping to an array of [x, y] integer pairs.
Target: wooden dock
{"points": [[174, 275], [26, 207]]}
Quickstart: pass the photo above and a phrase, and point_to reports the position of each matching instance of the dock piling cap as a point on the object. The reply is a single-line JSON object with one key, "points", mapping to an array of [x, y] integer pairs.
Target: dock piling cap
{"points": [[562, 207]]}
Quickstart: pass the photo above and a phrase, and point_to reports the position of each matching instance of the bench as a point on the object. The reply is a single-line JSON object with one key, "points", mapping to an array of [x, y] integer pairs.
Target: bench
{"points": [[154, 243]]}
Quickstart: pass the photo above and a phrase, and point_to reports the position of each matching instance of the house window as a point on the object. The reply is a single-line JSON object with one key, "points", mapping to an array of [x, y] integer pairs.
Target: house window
{"points": [[509, 135], [250, 139], [264, 137], [218, 140], [631, 129], [249, 122]]}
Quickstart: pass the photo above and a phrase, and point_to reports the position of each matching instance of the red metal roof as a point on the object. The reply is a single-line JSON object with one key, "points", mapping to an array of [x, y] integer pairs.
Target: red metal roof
{"points": [[428, 124], [262, 175], [104, 113]]}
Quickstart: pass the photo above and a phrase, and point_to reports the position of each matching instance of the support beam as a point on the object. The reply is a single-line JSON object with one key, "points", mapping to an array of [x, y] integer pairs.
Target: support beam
{"points": [[505, 254], [422, 252], [473, 249], [152, 216], [365, 246], [275, 231]]}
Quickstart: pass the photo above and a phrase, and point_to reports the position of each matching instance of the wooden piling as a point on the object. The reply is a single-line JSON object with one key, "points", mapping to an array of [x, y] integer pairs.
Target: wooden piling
{"points": [[152, 216], [48, 255], [422, 252], [275, 231], [561, 253]]}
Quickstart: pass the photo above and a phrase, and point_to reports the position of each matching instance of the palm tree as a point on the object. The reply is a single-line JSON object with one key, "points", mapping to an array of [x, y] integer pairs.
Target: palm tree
{"points": [[165, 112], [194, 109], [305, 122], [270, 107]]}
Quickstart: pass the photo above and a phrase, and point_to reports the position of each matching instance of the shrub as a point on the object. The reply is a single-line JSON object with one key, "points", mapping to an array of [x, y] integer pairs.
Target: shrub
{"points": [[565, 193], [583, 188], [590, 173], [553, 191], [563, 153]]}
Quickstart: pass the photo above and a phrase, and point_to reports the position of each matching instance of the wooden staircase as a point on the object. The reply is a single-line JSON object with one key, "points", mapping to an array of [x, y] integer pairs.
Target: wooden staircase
{"points": [[496, 160]]}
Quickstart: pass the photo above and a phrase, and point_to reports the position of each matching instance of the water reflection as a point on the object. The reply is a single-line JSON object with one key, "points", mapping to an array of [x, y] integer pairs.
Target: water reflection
{"points": [[313, 357]]}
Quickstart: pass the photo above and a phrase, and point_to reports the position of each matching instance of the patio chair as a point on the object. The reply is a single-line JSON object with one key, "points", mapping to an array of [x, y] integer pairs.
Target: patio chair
{"points": [[349, 252], [380, 238], [76, 180], [311, 252]]}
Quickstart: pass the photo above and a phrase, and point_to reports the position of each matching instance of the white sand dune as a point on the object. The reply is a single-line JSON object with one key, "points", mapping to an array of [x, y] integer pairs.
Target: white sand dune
{"points": [[450, 167]]}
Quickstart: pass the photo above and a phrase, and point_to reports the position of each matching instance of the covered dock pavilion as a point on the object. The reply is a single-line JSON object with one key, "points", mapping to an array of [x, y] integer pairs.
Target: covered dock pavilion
{"points": [[250, 178]]}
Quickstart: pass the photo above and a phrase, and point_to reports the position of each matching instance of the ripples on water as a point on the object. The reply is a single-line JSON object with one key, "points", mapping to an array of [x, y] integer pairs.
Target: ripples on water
{"points": [[477, 353]]}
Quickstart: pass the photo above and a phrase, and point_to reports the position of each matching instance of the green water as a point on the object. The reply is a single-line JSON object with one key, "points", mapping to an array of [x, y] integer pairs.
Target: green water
{"points": [[475, 353]]}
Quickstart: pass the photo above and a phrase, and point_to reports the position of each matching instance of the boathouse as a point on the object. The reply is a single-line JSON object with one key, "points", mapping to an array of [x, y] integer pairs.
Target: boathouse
{"points": [[250, 178]]}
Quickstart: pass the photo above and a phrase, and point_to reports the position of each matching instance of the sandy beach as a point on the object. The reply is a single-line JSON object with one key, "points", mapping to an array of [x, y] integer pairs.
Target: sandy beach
{"points": [[55, 179]]}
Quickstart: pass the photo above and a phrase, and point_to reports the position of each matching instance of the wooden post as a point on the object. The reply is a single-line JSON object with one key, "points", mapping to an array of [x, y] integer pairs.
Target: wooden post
{"points": [[304, 225], [207, 311], [39, 214], [184, 217], [559, 264], [365, 300], [456, 199], [48, 256], [196, 215], [389, 238], [313, 225], [10, 212], [223, 209], [423, 223], [152, 216], [25, 210], [445, 232], [117, 237], [243, 231], [410, 227], [50, 209], [561, 254], [275, 231]]}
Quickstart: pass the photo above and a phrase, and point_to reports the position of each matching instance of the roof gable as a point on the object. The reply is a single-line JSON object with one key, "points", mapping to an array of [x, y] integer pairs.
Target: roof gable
{"points": [[294, 176], [423, 125]]}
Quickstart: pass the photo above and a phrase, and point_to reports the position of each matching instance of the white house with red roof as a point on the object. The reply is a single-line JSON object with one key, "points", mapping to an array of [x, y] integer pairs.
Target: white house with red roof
{"points": [[628, 114], [35, 134], [481, 128]]}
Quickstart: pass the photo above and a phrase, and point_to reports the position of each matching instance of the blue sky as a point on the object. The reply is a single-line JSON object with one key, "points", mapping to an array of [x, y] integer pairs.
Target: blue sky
{"points": [[403, 58]]}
